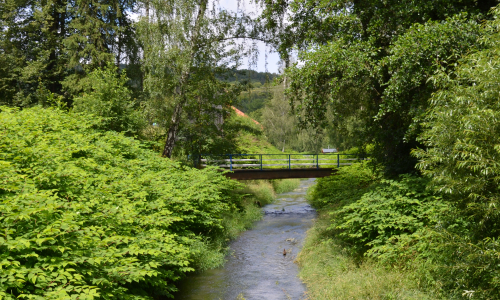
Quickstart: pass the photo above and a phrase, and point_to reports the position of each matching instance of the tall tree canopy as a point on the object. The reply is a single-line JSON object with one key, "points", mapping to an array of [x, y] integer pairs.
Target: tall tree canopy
{"points": [[49, 45], [371, 60]]}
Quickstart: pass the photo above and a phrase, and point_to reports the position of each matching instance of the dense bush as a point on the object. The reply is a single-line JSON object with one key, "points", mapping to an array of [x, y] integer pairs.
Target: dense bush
{"points": [[449, 262], [87, 214], [461, 135], [392, 208], [347, 185], [403, 224], [107, 97]]}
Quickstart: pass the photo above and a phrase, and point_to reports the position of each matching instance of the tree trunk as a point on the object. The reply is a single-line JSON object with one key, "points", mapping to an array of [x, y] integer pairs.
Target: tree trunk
{"points": [[176, 118], [172, 131]]}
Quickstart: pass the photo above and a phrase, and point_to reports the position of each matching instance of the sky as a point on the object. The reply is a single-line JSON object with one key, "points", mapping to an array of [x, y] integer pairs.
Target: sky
{"points": [[272, 57], [248, 6]]}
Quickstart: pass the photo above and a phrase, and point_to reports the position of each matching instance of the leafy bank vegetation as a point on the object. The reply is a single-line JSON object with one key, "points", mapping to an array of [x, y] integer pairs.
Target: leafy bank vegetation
{"points": [[90, 213]]}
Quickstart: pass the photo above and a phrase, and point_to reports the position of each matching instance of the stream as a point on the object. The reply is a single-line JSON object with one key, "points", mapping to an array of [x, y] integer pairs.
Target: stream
{"points": [[256, 268]]}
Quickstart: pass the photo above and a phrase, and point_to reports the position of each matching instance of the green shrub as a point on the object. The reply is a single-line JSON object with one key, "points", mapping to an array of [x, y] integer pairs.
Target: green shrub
{"points": [[285, 185], [446, 259], [345, 186], [89, 214], [390, 209], [330, 272], [107, 97]]}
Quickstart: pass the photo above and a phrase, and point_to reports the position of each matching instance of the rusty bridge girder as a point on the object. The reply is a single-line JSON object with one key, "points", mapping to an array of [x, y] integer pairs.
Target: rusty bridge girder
{"points": [[280, 173]]}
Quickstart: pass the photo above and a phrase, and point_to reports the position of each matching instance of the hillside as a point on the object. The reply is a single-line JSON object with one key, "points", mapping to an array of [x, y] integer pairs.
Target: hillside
{"points": [[251, 137]]}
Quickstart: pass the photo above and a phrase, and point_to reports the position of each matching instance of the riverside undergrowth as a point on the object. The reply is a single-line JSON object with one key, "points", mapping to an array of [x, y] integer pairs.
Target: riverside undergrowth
{"points": [[359, 214], [92, 214], [379, 238]]}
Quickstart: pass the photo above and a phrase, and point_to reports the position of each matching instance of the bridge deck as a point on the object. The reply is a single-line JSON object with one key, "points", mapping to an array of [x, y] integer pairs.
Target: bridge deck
{"points": [[277, 166], [280, 173]]}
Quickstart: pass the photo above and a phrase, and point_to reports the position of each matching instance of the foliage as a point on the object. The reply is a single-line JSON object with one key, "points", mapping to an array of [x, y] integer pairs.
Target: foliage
{"points": [[258, 90], [52, 44], [251, 76], [261, 190], [369, 62], [390, 209], [445, 258], [254, 99], [460, 158], [347, 185], [405, 226], [278, 122], [250, 138], [367, 211], [461, 134], [210, 127], [107, 96], [92, 214], [330, 272], [281, 126], [285, 185], [188, 45]]}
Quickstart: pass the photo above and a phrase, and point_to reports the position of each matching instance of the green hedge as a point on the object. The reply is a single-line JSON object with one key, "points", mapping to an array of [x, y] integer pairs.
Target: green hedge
{"points": [[90, 214]]}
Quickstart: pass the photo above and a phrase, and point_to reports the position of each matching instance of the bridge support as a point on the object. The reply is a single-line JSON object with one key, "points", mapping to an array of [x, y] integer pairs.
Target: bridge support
{"points": [[280, 173]]}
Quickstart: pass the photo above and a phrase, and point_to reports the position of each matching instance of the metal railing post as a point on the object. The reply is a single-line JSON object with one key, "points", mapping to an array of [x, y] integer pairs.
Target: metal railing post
{"points": [[230, 162], [261, 162], [317, 159], [338, 160], [289, 163]]}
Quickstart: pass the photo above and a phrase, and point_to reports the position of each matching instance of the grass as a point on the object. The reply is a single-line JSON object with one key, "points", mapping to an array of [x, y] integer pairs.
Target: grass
{"points": [[285, 185], [331, 273], [261, 191]]}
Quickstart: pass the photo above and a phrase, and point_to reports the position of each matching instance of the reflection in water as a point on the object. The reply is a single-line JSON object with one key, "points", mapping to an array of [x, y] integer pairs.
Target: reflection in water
{"points": [[256, 267]]}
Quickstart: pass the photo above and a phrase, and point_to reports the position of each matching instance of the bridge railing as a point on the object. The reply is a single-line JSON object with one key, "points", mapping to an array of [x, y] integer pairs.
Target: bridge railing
{"points": [[279, 161]]}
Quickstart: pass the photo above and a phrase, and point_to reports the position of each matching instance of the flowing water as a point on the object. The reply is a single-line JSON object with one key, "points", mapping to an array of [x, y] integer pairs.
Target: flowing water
{"points": [[256, 268]]}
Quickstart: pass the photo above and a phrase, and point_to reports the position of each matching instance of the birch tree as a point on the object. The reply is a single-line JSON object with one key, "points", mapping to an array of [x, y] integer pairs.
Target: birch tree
{"points": [[183, 40]]}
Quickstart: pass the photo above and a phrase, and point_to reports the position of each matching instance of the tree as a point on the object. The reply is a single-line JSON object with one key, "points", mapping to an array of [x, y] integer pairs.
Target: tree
{"points": [[281, 127], [186, 43], [279, 124], [462, 130], [371, 60], [52, 44]]}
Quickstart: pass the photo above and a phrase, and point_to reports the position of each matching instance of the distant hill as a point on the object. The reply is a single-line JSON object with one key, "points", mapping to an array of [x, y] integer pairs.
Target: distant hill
{"points": [[248, 75]]}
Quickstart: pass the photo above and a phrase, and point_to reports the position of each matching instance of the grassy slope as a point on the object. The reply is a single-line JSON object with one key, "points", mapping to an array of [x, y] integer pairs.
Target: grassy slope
{"points": [[251, 138]]}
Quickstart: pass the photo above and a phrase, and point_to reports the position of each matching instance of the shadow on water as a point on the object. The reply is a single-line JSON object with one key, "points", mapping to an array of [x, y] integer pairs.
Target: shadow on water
{"points": [[256, 267]]}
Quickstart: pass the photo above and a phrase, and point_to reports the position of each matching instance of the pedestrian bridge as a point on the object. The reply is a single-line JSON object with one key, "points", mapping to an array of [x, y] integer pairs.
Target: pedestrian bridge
{"points": [[279, 166]]}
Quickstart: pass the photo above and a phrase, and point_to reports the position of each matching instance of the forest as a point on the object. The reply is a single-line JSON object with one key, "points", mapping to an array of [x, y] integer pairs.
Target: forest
{"points": [[105, 106]]}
